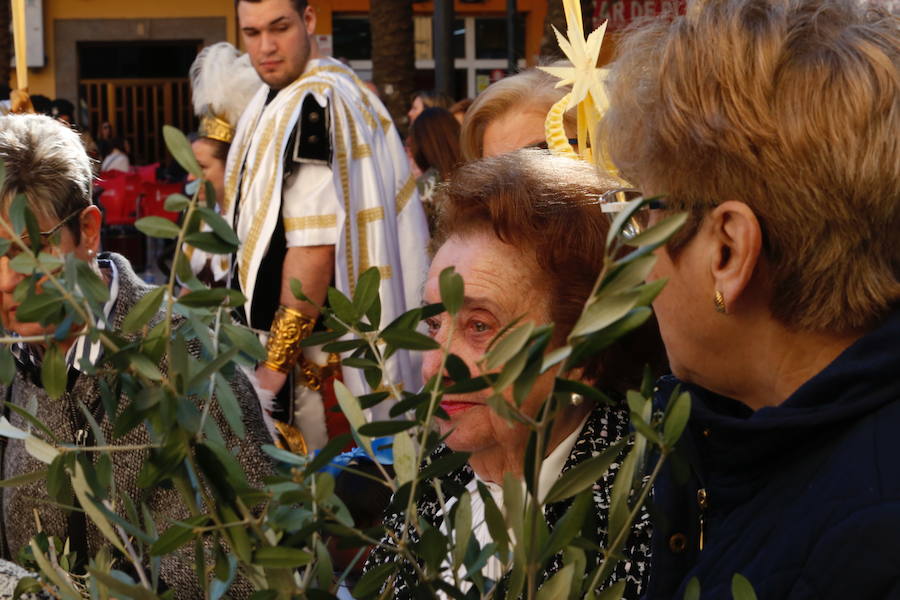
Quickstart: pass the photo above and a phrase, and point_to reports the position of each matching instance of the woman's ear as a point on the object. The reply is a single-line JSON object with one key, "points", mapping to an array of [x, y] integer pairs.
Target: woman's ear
{"points": [[738, 236], [90, 221]]}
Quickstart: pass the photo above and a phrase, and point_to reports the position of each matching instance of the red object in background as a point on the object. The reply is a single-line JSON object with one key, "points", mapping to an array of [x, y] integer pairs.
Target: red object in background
{"points": [[120, 197], [621, 13], [147, 173], [153, 200]]}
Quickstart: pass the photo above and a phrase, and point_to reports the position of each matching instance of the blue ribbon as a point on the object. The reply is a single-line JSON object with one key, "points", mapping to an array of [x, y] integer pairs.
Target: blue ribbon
{"points": [[382, 448]]}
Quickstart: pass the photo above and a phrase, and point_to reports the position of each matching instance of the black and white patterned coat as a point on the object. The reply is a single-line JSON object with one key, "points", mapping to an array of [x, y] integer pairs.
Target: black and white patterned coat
{"points": [[604, 427]]}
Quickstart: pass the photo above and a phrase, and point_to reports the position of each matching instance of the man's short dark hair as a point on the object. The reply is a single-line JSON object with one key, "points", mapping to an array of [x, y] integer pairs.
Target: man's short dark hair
{"points": [[299, 5]]}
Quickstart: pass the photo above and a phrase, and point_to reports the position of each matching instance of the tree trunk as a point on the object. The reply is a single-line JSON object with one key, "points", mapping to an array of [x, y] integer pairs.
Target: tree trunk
{"points": [[393, 59], [556, 17], [5, 41]]}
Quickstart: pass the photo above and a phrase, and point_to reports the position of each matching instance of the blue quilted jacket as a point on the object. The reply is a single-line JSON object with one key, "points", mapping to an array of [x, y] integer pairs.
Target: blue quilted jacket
{"points": [[803, 499]]}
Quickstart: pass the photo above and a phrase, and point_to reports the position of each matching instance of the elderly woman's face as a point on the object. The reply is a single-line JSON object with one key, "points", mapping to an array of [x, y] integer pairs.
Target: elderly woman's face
{"points": [[89, 222], [500, 285]]}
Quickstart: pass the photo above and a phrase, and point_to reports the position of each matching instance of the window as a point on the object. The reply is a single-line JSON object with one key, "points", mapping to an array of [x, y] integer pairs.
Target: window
{"points": [[479, 49]]}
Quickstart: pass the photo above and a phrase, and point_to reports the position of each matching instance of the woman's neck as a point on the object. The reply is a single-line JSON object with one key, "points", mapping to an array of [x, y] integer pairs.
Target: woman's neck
{"points": [[492, 463], [770, 364]]}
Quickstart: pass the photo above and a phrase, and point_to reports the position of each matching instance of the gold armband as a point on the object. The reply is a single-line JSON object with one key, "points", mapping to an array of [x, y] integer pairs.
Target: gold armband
{"points": [[289, 328]]}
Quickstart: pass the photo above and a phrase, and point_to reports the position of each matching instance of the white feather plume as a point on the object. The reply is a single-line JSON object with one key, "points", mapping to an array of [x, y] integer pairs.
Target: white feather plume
{"points": [[223, 82]]}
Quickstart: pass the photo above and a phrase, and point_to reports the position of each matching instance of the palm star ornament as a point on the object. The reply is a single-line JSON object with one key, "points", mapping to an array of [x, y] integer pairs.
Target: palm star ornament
{"points": [[587, 81]]}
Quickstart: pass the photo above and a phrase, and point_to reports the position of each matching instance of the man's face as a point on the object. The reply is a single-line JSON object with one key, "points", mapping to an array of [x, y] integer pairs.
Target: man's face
{"points": [[277, 39]]}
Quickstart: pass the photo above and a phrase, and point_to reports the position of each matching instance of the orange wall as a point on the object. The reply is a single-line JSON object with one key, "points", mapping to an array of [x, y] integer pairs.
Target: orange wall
{"points": [[42, 81]]}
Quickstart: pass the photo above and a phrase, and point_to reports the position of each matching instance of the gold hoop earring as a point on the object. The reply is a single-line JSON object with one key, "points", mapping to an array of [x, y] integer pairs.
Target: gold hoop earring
{"points": [[719, 302]]}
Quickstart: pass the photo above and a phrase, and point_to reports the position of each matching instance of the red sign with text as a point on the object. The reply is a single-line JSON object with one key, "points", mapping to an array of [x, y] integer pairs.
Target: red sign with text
{"points": [[621, 13]]}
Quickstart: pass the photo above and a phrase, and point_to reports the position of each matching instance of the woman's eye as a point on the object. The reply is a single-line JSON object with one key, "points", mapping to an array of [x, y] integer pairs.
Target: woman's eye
{"points": [[479, 326], [433, 325]]}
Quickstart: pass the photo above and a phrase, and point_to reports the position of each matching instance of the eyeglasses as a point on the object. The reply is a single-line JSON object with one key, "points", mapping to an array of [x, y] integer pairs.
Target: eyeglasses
{"points": [[616, 200], [45, 236]]}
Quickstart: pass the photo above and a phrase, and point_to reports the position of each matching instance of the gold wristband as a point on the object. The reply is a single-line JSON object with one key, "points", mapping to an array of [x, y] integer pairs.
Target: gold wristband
{"points": [[289, 328]]}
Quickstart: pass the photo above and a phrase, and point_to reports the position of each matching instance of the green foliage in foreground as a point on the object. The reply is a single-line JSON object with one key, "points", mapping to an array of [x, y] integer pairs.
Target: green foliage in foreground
{"points": [[275, 536]]}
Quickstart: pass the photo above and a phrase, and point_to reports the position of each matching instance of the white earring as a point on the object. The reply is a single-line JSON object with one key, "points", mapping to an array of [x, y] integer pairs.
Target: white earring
{"points": [[576, 399]]}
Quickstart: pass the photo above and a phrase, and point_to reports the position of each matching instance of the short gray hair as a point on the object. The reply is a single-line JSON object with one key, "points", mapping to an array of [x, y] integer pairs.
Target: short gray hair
{"points": [[46, 161]]}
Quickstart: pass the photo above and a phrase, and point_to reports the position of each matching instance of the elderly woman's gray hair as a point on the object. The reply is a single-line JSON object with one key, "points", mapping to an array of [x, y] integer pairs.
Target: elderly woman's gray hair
{"points": [[46, 161]]}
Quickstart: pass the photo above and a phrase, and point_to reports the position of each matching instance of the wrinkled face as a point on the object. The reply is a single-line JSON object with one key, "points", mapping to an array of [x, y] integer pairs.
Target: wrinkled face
{"points": [[517, 128], [89, 221], [500, 285], [277, 39], [416, 109], [213, 168]]}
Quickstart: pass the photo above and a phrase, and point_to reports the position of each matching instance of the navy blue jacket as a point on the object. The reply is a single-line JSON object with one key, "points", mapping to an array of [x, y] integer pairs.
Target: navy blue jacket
{"points": [[803, 499]]}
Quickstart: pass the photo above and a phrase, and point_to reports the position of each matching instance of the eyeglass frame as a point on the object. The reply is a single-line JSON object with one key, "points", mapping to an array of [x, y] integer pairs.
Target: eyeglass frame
{"points": [[611, 205], [46, 235]]}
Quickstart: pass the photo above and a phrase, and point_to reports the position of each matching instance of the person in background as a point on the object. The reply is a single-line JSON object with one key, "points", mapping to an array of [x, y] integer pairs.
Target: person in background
{"points": [[115, 156], [42, 104], [222, 84], [510, 114], [318, 190], [46, 162], [426, 99], [459, 109], [434, 145], [774, 126]]}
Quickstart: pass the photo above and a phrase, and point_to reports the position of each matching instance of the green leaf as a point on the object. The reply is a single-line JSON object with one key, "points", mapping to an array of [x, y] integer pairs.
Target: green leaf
{"points": [[25, 478], [7, 366], [618, 504], [557, 586], [660, 232], [90, 283], [584, 475], [366, 291], [509, 345], [514, 505], [64, 587], [231, 409], [157, 227], [212, 297], [180, 148], [123, 588], [511, 370], [408, 339], [246, 340], [353, 411], [177, 535], [144, 366], [373, 579], [444, 465], [177, 202], [462, 529], [692, 589], [285, 455], [604, 312], [280, 557], [210, 242], [622, 218], [54, 374], [677, 419], [81, 488], [494, 519], [381, 428], [404, 458], [219, 225], [141, 313], [628, 276], [452, 290], [568, 526], [649, 291], [39, 308], [741, 588], [342, 307]]}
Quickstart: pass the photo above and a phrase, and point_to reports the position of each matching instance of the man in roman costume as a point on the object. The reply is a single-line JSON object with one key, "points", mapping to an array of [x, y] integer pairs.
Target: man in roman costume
{"points": [[317, 189]]}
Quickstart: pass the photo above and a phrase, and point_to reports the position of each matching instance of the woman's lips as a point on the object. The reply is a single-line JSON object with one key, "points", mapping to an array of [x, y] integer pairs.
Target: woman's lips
{"points": [[455, 406]]}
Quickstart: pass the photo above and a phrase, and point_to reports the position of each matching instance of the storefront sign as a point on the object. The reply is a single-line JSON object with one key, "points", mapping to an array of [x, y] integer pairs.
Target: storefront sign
{"points": [[621, 13]]}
